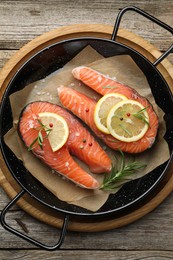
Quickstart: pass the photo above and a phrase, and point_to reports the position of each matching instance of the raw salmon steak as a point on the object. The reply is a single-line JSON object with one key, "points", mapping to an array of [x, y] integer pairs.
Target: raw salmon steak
{"points": [[83, 107], [79, 143]]}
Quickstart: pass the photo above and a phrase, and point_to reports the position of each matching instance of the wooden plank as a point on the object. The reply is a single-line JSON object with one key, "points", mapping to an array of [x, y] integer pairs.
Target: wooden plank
{"points": [[38, 17], [82, 254], [150, 237], [149, 233]]}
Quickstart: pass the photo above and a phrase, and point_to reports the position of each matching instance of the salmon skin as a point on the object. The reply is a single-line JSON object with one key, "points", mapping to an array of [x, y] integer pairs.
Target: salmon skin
{"points": [[79, 143], [83, 107]]}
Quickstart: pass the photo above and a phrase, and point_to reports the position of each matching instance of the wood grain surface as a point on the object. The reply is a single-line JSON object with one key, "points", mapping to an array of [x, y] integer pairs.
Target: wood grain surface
{"points": [[150, 237]]}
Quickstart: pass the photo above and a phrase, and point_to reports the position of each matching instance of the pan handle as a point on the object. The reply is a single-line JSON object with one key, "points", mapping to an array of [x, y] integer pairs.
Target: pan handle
{"points": [[27, 238], [151, 18]]}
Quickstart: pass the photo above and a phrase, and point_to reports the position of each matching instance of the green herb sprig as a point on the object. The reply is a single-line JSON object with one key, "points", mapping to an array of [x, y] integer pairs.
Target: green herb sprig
{"points": [[119, 173], [125, 130], [140, 115], [39, 139]]}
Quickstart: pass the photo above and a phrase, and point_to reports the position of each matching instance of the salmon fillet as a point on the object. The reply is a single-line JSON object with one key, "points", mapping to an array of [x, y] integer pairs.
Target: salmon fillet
{"points": [[83, 107], [80, 143]]}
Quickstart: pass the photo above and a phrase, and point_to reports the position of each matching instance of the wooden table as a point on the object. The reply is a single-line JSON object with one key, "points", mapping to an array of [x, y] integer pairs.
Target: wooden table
{"points": [[150, 237]]}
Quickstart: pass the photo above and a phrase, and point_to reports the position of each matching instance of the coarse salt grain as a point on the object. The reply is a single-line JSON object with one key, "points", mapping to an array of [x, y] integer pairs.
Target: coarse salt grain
{"points": [[34, 117], [128, 120], [31, 124], [134, 96], [67, 164], [99, 78]]}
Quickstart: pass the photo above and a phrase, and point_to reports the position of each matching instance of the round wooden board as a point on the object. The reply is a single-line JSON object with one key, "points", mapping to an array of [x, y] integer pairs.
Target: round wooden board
{"points": [[11, 187]]}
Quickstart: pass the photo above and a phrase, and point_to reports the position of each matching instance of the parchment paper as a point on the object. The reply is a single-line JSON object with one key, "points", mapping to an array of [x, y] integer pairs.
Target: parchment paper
{"points": [[125, 71]]}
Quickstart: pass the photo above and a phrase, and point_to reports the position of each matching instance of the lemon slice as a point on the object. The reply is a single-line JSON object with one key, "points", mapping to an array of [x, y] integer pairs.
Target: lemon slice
{"points": [[128, 121], [103, 107], [58, 129]]}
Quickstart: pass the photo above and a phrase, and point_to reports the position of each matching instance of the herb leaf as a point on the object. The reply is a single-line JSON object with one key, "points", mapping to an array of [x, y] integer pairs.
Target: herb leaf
{"points": [[39, 139], [118, 174], [140, 115], [128, 132], [32, 144]]}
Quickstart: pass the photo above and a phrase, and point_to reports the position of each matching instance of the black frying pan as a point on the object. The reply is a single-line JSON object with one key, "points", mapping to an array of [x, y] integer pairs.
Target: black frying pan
{"points": [[52, 58]]}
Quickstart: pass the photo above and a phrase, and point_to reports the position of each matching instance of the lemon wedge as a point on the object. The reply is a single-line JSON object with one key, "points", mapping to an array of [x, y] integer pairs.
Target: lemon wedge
{"points": [[128, 121], [102, 108], [58, 127]]}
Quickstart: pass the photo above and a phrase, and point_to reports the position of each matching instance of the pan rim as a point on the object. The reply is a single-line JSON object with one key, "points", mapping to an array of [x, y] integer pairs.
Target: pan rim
{"points": [[5, 96]]}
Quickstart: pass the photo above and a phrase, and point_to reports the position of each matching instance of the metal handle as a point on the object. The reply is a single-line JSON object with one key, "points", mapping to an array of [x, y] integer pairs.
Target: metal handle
{"points": [[27, 238], [151, 18]]}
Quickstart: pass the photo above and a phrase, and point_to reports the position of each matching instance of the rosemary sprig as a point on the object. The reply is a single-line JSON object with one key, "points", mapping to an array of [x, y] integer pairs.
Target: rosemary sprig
{"points": [[140, 115], [125, 130], [39, 139], [119, 173]]}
